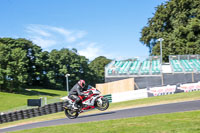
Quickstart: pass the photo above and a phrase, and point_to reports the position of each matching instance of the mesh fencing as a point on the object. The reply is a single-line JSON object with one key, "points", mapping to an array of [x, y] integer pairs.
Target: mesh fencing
{"points": [[164, 79], [144, 82]]}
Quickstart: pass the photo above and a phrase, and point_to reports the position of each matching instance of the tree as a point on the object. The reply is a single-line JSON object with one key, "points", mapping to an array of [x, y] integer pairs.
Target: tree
{"points": [[23, 63], [18, 67], [42, 67], [66, 61], [98, 66], [178, 23], [4, 57]]}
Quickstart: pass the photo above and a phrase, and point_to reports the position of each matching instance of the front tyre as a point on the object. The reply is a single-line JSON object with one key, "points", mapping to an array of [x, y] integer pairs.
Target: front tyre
{"points": [[102, 105], [71, 114]]}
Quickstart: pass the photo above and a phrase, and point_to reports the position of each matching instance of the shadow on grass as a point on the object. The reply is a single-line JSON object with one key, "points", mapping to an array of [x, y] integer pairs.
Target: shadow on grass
{"points": [[35, 93]]}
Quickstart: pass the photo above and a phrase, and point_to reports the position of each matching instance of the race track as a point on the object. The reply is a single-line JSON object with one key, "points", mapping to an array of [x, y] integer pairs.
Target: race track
{"points": [[133, 112]]}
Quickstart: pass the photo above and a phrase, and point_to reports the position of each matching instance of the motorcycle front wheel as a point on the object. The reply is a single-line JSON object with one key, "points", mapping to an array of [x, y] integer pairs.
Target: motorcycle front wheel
{"points": [[71, 114], [104, 105]]}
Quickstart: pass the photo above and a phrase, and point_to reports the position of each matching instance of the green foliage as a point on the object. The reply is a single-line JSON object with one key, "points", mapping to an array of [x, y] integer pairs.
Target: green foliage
{"points": [[178, 23], [97, 66], [17, 67], [23, 63], [66, 61]]}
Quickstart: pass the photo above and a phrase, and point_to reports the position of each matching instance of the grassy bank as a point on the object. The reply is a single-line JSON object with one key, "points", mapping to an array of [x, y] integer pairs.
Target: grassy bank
{"points": [[115, 106], [186, 122], [12, 101]]}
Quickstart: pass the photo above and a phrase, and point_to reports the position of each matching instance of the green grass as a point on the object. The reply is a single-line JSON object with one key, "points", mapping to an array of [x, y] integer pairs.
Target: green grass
{"points": [[13, 101], [185, 122], [114, 106]]}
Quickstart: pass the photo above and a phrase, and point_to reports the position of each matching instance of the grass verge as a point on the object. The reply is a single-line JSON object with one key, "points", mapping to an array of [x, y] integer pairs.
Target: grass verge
{"points": [[115, 106], [13, 101], [185, 122]]}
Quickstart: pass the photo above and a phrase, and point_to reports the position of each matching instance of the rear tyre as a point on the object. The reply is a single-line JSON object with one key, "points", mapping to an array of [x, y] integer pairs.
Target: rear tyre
{"points": [[71, 114], [104, 105]]}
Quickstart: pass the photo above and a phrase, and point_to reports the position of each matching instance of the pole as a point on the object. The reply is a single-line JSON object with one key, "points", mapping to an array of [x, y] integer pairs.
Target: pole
{"points": [[67, 85], [161, 50], [66, 82], [160, 39], [192, 76]]}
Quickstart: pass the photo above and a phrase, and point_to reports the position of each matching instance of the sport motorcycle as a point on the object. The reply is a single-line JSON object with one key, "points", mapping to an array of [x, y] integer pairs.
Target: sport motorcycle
{"points": [[91, 99]]}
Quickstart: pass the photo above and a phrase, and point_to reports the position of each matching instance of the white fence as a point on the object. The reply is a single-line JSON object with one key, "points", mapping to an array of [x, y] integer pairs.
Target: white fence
{"points": [[129, 95], [154, 91]]}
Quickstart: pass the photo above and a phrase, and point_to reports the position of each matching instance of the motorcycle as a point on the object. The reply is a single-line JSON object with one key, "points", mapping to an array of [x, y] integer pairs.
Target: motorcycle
{"points": [[89, 101]]}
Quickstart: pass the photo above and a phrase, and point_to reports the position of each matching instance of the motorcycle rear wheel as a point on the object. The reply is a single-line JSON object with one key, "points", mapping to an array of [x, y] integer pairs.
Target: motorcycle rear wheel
{"points": [[104, 105], [71, 114]]}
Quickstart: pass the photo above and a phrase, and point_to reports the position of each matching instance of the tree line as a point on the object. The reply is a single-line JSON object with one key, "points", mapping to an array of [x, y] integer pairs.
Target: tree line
{"points": [[24, 64], [178, 23]]}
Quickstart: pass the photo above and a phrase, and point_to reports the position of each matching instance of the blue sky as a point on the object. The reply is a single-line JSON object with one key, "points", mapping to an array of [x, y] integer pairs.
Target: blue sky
{"points": [[109, 28]]}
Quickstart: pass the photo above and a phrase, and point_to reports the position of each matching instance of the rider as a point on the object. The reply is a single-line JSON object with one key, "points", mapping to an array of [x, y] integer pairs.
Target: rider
{"points": [[76, 91]]}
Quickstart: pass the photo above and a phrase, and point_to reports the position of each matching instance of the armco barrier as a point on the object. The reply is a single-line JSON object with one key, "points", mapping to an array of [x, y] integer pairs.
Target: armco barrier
{"points": [[189, 87], [155, 91], [29, 113], [171, 89], [129, 95], [164, 90], [109, 97]]}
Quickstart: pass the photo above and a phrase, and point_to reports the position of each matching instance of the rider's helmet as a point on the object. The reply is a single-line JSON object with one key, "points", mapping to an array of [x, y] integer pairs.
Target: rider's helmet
{"points": [[81, 83]]}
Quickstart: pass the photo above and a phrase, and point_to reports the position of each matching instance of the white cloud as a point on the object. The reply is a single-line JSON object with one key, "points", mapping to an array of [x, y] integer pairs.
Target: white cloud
{"points": [[75, 35], [91, 51], [34, 29], [82, 44], [59, 30], [44, 43], [81, 34], [50, 36]]}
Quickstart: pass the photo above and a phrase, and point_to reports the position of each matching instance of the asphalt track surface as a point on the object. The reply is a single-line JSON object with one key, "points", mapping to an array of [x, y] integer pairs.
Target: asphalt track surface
{"points": [[126, 113]]}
